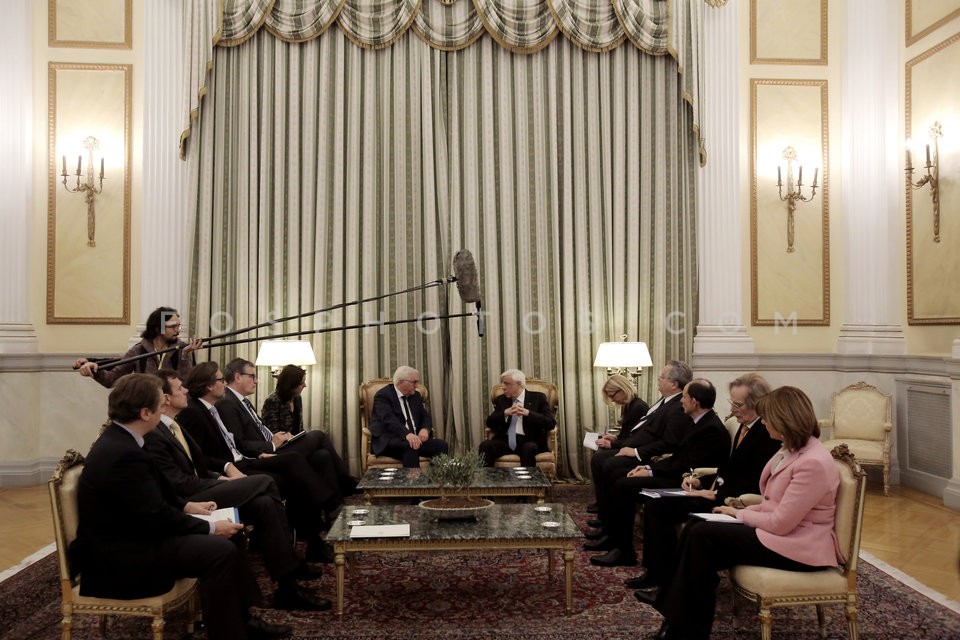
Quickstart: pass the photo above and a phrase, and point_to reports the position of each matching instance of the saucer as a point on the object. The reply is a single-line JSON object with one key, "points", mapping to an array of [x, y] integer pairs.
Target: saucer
{"points": [[550, 524], [537, 509], [359, 512], [355, 523]]}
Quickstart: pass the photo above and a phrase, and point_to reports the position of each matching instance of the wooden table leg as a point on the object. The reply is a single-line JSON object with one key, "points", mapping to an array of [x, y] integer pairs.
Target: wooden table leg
{"points": [[568, 571], [549, 563], [340, 561]]}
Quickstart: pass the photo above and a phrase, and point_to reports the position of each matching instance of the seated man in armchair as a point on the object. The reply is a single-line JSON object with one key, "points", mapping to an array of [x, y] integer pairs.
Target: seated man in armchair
{"points": [[520, 422], [401, 426]]}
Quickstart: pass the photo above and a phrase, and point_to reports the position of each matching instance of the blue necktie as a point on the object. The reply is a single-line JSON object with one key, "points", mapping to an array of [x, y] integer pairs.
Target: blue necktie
{"points": [[512, 429], [227, 436], [253, 414]]}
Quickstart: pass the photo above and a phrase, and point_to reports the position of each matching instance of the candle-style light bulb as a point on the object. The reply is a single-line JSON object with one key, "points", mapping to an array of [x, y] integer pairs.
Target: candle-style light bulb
{"points": [[64, 166], [909, 158], [800, 177], [928, 155], [816, 170], [79, 161], [101, 168], [779, 180]]}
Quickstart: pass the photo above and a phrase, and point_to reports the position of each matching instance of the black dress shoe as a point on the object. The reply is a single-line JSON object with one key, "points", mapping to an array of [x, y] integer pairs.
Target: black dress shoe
{"points": [[593, 508], [596, 522], [299, 600], [594, 534], [260, 629], [603, 544], [663, 633], [319, 551], [306, 572], [614, 558], [647, 595], [641, 582]]}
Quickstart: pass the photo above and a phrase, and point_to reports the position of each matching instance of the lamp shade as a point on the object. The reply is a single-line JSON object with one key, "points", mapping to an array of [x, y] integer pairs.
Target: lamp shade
{"points": [[621, 355], [278, 353]]}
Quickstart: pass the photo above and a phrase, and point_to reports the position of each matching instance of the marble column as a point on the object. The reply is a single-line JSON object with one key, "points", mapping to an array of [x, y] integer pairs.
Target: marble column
{"points": [[872, 177], [720, 328], [165, 248], [17, 334]]}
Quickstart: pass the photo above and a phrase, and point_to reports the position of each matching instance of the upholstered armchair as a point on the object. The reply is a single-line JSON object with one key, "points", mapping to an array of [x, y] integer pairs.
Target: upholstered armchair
{"points": [[861, 417], [367, 458], [546, 461], [771, 588], [63, 502]]}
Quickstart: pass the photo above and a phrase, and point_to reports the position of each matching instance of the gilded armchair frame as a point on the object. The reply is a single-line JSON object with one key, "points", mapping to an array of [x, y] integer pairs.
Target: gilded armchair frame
{"points": [[63, 502], [369, 460], [769, 588], [547, 460], [862, 417]]}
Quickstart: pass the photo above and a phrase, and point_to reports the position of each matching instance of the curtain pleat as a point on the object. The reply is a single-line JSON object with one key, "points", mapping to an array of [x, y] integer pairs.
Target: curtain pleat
{"points": [[326, 174]]}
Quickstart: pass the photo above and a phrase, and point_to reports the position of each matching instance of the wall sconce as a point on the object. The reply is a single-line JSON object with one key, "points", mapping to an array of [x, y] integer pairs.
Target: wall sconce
{"points": [[87, 187], [932, 177], [623, 357], [794, 191]]}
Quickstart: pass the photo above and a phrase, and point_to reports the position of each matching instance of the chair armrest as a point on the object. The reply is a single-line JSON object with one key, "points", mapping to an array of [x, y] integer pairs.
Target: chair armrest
{"points": [[744, 500], [367, 433], [487, 433], [826, 427]]}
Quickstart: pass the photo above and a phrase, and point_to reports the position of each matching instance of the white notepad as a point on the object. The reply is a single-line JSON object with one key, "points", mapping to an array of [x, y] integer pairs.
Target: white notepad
{"points": [[717, 517], [380, 531], [230, 514]]}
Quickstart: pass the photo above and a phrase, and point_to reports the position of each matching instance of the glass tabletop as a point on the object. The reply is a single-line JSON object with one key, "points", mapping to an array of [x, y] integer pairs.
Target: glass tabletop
{"points": [[501, 521], [486, 478]]}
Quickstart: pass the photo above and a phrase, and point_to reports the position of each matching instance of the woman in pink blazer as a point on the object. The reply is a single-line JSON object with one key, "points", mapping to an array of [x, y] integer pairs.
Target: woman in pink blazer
{"points": [[792, 527]]}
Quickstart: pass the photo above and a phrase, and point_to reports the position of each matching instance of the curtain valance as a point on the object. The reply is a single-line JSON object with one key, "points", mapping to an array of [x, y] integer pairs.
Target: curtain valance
{"points": [[657, 27]]}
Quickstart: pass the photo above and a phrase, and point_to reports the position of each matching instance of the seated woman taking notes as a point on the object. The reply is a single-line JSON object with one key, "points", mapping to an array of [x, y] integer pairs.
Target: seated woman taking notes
{"points": [[792, 528]]}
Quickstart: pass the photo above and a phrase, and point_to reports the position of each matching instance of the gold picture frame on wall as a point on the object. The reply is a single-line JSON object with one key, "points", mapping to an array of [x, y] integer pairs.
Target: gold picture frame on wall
{"points": [[789, 254], [88, 224], [90, 24], [916, 26], [933, 265], [795, 32]]}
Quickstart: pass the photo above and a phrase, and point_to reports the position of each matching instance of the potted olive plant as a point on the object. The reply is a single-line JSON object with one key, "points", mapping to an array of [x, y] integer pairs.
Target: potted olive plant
{"points": [[454, 474]]}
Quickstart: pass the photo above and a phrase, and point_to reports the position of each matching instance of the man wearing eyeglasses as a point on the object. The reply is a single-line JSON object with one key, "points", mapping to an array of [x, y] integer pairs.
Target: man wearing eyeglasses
{"points": [[253, 437], [401, 426], [752, 448], [162, 331]]}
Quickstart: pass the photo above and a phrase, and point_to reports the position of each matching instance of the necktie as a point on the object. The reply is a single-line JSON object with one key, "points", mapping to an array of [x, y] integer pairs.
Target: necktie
{"points": [[253, 414], [178, 434], [743, 434], [227, 436], [656, 405], [407, 415], [512, 429]]}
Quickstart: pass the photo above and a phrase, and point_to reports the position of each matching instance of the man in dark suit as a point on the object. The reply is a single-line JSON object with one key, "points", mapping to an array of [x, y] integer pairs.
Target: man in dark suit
{"points": [[183, 464], [657, 433], [752, 448], [252, 437], [520, 422], [401, 426], [706, 443], [311, 502], [136, 536]]}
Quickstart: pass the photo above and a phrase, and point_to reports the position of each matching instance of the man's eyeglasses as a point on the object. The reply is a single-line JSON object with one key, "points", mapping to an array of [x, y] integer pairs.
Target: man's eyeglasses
{"points": [[172, 326], [220, 379], [252, 375], [736, 405]]}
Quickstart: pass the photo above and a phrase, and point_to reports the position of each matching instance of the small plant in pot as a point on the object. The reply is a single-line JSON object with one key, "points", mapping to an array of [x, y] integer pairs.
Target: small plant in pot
{"points": [[454, 474]]}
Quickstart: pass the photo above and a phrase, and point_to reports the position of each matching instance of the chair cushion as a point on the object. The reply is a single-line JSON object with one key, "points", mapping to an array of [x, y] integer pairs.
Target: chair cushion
{"points": [[181, 589], [774, 583], [866, 451]]}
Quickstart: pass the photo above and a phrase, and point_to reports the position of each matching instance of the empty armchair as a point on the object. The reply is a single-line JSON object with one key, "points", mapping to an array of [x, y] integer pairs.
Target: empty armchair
{"points": [[861, 417]]}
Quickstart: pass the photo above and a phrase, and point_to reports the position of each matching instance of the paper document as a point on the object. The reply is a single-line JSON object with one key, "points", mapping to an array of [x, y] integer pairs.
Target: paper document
{"points": [[293, 438], [660, 493], [230, 514], [590, 440], [716, 517], [380, 531]]}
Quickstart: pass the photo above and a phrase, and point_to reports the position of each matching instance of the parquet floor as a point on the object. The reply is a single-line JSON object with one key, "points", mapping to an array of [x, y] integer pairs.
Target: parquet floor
{"points": [[909, 530]]}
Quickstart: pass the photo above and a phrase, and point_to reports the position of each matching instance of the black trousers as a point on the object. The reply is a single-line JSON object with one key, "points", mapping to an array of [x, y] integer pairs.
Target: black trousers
{"points": [[661, 517], [227, 586], [401, 449], [259, 503], [689, 599], [527, 449], [323, 456], [614, 469]]}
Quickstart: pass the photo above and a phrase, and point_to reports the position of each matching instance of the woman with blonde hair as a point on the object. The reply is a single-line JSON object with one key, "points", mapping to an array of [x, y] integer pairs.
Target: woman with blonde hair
{"points": [[792, 528], [619, 391]]}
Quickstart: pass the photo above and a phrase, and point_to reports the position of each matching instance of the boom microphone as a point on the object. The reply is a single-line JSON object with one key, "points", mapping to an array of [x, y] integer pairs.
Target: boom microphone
{"points": [[481, 323], [465, 275]]}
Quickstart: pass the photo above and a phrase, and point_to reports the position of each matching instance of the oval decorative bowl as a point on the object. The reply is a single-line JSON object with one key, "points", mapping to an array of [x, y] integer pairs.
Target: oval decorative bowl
{"points": [[455, 508]]}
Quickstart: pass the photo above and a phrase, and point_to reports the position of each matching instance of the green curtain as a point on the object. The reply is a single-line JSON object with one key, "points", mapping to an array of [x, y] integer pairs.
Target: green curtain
{"points": [[325, 173]]}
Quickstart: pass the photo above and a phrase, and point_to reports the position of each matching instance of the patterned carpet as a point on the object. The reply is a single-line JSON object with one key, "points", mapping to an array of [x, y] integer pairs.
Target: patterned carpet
{"points": [[483, 596]]}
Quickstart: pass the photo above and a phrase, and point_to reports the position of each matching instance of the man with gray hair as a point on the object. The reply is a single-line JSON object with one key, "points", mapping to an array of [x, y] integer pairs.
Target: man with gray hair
{"points": [[520, 422], [401, 426]]}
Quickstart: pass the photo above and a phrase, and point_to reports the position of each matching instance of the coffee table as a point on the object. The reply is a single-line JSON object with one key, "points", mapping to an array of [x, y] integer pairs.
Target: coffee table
{"points": [[489, 482], [502, 526]]}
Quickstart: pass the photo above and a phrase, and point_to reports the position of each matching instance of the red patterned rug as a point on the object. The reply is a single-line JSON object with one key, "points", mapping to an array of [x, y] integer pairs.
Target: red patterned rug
{"points": [[488, 595]]}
